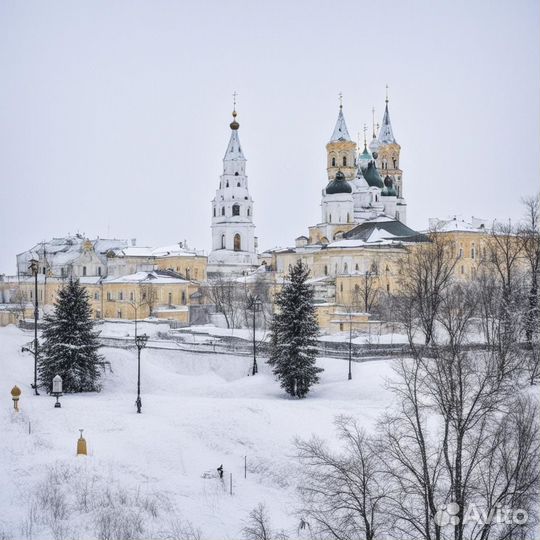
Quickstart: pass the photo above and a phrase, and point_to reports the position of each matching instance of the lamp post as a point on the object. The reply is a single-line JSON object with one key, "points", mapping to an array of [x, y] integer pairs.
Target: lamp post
{"points": [[57, 390], [34, 268], [255, 305], [350, 344], [140, 341]]}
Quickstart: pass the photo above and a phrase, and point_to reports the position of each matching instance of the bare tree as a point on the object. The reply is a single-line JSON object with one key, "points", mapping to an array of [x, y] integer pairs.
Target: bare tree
{"points": [[343, 493], [258, 526], [19, 301], [424, 274], [226, 295], [467, 391], [148, 296]]}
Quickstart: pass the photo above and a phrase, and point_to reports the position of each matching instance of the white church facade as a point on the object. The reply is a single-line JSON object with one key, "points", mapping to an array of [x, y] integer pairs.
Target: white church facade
{"points": [[234, 245]]}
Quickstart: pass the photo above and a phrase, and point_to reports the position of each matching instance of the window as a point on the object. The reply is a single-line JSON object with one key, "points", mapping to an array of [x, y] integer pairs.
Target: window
{"points": [[341, 327], [214, 212], [222, 241], [83, 270], [31, 295], [236, 173], [238, 184], [45, 271], [143, 296], [357, 289], [120, 295], [330, 220], [325, 270], [188, 273], [184, 298], [99, 270], [237, 242], [462, 269], [345, 268], [170, 299], [131, 296], [98, 314], [388, 287], [473, 251], [341, 287], [344, 161], [227, 185], [333, 162], [223, 211], [119, 314], [236, 210], [248, 212], [356, 267], [461, 251], [96, 296], [348, 217], [62, 271]]}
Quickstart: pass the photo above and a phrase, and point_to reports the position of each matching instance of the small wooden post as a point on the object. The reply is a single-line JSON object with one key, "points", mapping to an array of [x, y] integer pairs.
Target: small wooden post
{"points": [[230, 482], [245, 466], [81, 445]]}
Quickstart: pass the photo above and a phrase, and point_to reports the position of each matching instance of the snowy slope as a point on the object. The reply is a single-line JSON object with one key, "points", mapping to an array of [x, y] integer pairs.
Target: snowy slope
{"points": [[198, 411]]}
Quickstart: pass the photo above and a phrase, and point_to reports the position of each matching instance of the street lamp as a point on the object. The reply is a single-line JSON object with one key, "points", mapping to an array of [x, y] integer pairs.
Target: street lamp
{"points": [[57, 390], [34, 268], [255, 304], [140, 341], [350, 344]]}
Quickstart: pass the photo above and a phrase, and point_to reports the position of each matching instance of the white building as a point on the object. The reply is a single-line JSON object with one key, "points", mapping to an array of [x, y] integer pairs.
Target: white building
{"points": [[234, 245]]}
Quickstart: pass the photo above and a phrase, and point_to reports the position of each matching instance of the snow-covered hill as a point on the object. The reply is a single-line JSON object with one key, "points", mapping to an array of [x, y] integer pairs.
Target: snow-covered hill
{"points": [[199, 411]]}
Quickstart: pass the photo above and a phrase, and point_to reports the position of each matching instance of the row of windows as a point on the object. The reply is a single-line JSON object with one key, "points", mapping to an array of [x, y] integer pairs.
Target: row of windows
{"points": [[343, 161], [374, 268], [227, 184], [235, 210], [143, 297], [237, 242]]}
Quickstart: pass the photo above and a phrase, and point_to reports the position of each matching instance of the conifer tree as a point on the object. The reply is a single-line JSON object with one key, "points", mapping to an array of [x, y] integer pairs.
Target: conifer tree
{"points": [[70, 347], [294, 329]]}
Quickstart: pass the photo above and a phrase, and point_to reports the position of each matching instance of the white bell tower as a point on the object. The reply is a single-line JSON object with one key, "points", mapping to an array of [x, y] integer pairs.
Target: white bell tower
{"points": [[233, 232]]}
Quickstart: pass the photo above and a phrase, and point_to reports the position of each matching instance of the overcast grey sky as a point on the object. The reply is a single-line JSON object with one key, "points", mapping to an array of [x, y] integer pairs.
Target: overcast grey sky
{"points": [[114, 114]]}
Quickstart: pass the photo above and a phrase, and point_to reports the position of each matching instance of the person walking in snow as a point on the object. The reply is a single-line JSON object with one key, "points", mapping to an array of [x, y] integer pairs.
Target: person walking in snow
{"points": [[220, 471]]}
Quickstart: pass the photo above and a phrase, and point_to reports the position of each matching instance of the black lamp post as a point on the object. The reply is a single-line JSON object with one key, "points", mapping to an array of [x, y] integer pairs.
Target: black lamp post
{"points": [[255, 305], [140, 341], [350, 345], [34, 268]]}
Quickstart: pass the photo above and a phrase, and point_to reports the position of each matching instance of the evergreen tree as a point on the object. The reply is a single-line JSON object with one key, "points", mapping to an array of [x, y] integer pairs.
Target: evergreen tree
{"points": [[70, 347], [294, 329]]}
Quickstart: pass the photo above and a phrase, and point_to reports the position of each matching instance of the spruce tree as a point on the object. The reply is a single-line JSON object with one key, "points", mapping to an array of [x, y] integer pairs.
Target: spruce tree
{"points": [[70, 347], [294, 329]]}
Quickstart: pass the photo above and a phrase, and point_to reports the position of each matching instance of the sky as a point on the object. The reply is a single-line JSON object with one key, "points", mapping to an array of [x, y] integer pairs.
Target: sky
{"points": [[114, 115]]}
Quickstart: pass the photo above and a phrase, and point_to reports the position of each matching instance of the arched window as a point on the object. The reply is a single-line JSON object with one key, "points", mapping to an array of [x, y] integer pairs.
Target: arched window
{"points": [[222, 241], [236, 174], [344, 161], [223, 211], [356, 289], [345, 268], [330, 220], [238, 184], [227, 184], [214, 211], [237, 242], [348, 217], [236, 210], [333, 162], [248, 212], [356, 267], [325, 270]]}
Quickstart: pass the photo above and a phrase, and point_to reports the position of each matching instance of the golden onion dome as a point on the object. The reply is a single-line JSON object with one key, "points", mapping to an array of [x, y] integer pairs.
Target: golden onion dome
{"points": [[15, 391]]}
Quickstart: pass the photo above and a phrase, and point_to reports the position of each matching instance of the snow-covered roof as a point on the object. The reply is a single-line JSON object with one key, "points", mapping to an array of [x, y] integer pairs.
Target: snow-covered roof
{"points": [[234, 149], [341, 132], [457, 223], [172, 250], [162, 277], [386, 136]]}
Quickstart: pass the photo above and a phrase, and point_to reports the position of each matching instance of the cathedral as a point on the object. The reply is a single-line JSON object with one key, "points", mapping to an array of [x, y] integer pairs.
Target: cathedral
{"points": [[363, 185]]}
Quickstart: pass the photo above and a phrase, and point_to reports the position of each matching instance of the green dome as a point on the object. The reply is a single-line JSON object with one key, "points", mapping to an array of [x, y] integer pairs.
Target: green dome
{"points": [[365, 155], [338, 185], [371, 174], [388, 189]]}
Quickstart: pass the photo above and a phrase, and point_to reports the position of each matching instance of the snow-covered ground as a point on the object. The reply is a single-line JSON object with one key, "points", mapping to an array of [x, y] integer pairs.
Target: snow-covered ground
{"points": [[199, 411]]}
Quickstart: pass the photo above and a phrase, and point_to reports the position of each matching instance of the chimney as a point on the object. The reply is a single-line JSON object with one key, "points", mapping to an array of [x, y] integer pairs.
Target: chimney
{"points": [[133, 242]]}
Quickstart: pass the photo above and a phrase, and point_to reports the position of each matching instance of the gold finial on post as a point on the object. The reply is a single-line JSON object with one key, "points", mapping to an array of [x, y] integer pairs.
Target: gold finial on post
{"points": [[373, 117], [365, 131], [234, 101], [15, 395], [340, 100], [386, 95], [81, 445]]}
